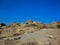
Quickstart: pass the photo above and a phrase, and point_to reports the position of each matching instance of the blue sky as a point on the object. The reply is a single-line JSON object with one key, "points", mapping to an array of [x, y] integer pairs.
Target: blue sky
{"points": [[44, 11]]}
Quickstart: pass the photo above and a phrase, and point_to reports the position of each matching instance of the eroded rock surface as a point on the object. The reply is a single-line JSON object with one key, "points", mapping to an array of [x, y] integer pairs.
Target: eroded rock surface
{"points": [[30, 33]]}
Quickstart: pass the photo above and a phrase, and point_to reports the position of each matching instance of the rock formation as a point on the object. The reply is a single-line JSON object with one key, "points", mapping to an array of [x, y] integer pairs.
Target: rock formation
{"points": [[30, 33]]}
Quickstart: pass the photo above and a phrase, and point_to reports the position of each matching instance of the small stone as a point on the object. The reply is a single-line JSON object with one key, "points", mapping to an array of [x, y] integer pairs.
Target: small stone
{"points": [[47, 43], [52, 37]]}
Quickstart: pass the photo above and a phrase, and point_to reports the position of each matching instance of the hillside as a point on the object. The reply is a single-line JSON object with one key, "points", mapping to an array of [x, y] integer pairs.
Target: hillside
{"points": [[30, 33]]}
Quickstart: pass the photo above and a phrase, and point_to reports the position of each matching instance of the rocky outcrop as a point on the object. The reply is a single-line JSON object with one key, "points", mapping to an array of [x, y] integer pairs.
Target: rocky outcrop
{"points": [[30, 33]]}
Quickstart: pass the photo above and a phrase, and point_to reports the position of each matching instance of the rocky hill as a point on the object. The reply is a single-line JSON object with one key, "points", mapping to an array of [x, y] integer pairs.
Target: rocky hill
{"points": [[30, 33]]}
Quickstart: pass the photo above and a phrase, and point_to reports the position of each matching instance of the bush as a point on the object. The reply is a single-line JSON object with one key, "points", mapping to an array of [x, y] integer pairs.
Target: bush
{"points": [[53, 26], [2, 24]]}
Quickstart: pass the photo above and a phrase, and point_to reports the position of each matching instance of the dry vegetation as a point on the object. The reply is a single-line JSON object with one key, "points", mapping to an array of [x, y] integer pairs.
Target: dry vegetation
{"points": [[11, 34]]}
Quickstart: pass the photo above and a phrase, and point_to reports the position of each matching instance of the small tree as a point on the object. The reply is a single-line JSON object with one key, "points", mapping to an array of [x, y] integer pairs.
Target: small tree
{"points": [[2, 24], [58, 25]]}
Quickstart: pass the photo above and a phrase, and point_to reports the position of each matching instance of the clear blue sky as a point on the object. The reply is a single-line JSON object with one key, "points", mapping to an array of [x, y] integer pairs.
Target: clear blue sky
{"points": [[45, 11]]}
